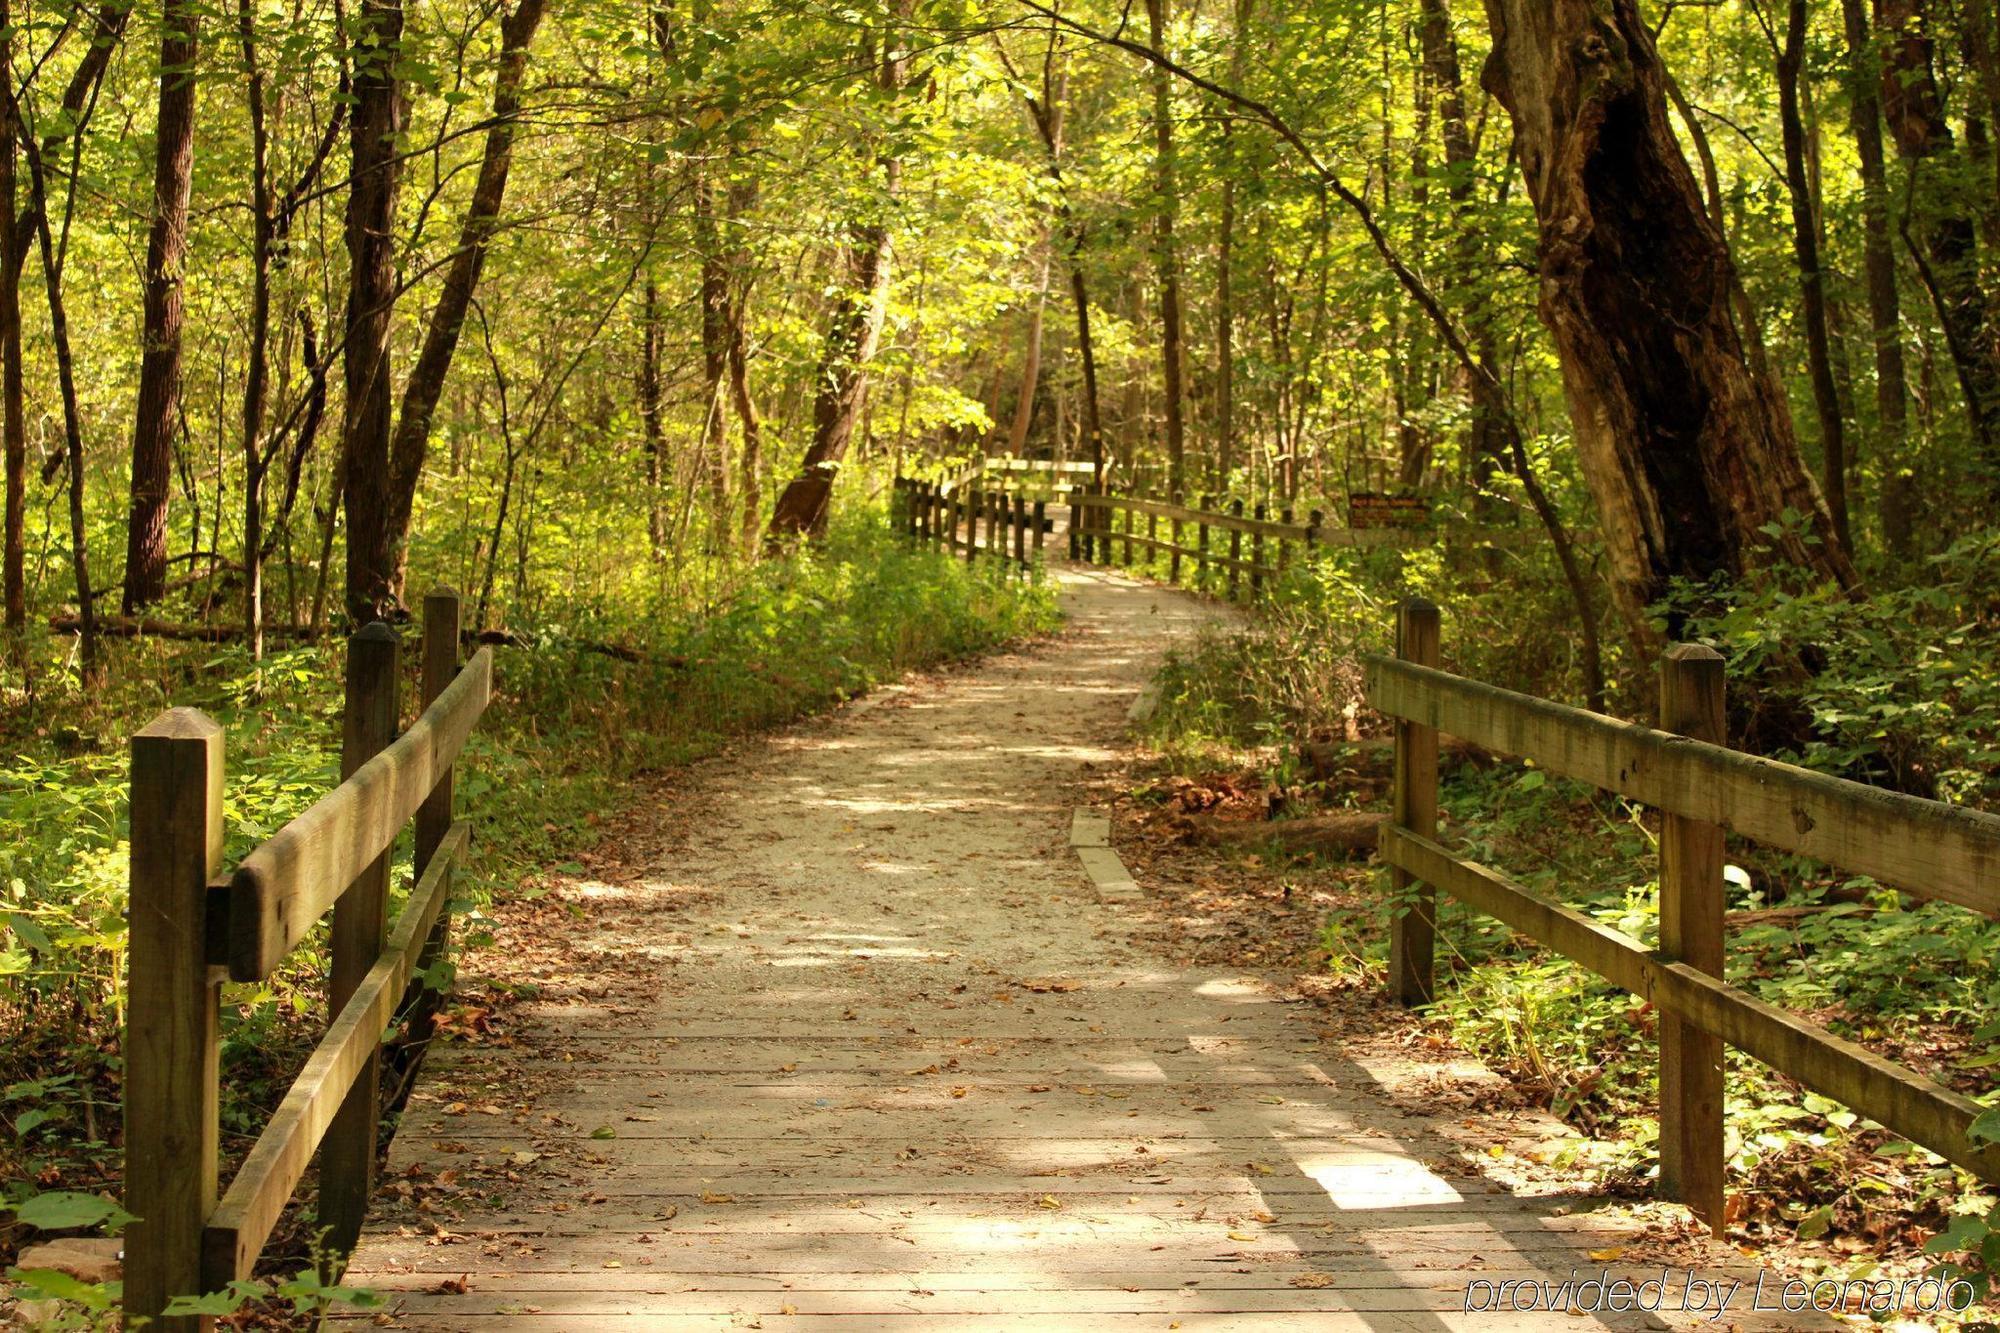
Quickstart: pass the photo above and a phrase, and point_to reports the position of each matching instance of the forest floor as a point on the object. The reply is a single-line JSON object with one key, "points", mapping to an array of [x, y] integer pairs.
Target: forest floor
{"points": [[832, 1027]]}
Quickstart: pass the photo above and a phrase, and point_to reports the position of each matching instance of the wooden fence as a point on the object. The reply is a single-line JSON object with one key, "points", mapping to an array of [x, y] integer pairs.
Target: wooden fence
{"points": [[190, 928], [979, 522], [1705, 792]]}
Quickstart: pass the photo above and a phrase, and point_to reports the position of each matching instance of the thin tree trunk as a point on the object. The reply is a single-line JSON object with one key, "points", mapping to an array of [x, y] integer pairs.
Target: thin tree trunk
{"points": [[650, 336], [1225, 268], [475, 237], [375, 127], [1812, 281], [714, 296], [1031, 367], [1884, 302], [159, 394], [1167, 256], [13, 417]]}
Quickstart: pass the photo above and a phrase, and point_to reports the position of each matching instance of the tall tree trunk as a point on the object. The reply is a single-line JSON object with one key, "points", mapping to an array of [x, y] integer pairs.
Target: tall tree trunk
{"points": [[1688, 452], [13, 416], [650, 336], [1791, 55], [714, 296], [1225, 267], [256, 373], [160, 361], [475, 237], [1941, 234], [1884, 303], [375, 128], [750, 462], [1166, 206], [851, 336], [1031, 361]]}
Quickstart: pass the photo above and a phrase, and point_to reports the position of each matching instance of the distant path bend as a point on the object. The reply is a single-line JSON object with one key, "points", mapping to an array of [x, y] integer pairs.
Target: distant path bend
{"points": [[880, 1060]]}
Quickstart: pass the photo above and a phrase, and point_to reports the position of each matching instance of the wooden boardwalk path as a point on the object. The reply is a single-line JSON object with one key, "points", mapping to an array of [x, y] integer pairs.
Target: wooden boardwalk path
{"points": [[881, 1060]]}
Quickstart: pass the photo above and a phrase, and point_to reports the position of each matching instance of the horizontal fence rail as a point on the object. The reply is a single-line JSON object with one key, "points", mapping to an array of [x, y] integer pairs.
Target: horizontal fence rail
{"points": [[1704, 790], [187, 927]]}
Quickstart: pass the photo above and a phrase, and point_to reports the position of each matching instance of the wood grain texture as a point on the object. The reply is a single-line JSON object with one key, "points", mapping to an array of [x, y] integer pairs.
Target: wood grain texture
{"points": [[284, 887], [1928, 848]]}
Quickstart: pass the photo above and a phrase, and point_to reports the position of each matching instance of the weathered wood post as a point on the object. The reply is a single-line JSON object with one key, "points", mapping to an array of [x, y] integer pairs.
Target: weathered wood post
{"points": [[1691, 932], [1201, 541], [1235, 549], [442, 621], [360, 928], [1040, 520], [173, 1038], [1257, 555], [1174, 558], [1413, 930], [1284, 543], [1021, 530], [1152, 541], [971, 526], [1314, 521], [1127, 525], [1076, 522]]}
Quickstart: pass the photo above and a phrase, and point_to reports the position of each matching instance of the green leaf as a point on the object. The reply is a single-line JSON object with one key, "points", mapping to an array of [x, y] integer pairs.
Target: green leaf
{"points": [[1964, 1233], [56, 1285], [62, 1211], [214, 1303], [1814, 1224], [1985, 1127]]}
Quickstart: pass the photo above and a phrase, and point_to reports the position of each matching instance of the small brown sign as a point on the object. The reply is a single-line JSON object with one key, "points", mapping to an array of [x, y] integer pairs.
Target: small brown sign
{"points": [[1371, 509]]}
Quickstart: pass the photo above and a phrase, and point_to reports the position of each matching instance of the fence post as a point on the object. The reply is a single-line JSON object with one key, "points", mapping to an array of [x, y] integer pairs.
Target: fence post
{"points": [[1257, 555], [360, 920], [1076, 522], [1691, 932], [172, 1038], [1413, 931], [1201, 542], [1021, 530], [1040, 520], [1174, 558], [1152, 541], [442, 618], [971, 526], [1235, 550], [1128, 538], [1313, 522], [996, 514], [1284, 543]]}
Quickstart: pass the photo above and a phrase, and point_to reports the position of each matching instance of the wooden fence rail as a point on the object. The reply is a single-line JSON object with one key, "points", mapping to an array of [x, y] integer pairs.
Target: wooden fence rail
{"points": [[1013, 528], [1705, 792], [190, 929]]}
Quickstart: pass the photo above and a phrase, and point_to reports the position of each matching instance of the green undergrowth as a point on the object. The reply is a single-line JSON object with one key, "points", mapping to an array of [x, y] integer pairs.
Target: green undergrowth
{"points": [[570, 725], [1901, 689]]}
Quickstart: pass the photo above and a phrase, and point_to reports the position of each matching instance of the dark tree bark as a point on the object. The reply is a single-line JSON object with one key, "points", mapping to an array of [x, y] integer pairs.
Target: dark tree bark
{"points": [[714, 297], [160, 361], [851, 338], [1688, 451], [1941, 233], [1225, 268], [1884, 302], [13, 417], [650, 337], [375, 128], [475, 237], [1791, 59], [1167, 258]]}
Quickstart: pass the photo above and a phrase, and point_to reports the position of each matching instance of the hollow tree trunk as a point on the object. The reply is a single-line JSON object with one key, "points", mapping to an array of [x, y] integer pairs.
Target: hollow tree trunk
{"points": [[1687, 450], [158, 414], [475, 237], [375, 126]]}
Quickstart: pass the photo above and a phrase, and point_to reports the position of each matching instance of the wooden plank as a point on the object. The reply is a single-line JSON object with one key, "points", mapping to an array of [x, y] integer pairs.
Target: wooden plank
{"points": [[1089, 828], [360, 926], [1918, 1108], [1692, 1167], [285, 886], [238, 1227], [1108, 874], [1413, 929], [1926, 847], [172, 1038]]}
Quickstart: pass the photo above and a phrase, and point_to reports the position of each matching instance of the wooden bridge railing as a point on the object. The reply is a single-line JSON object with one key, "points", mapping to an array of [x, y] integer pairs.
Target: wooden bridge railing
{"points": [[1705, 791], [979, 522], [189, 929]]}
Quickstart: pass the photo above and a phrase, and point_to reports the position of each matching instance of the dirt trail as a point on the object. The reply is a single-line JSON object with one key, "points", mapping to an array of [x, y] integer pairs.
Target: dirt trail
{"points": [[860, 1048]]}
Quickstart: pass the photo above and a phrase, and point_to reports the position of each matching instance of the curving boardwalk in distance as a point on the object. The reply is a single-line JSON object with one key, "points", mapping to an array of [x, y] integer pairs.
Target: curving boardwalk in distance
{"points": [[871, 1054]]}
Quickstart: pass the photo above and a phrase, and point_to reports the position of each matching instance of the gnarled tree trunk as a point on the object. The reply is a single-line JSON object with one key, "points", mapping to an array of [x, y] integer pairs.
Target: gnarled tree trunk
{"points": [[1688, 451]]}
